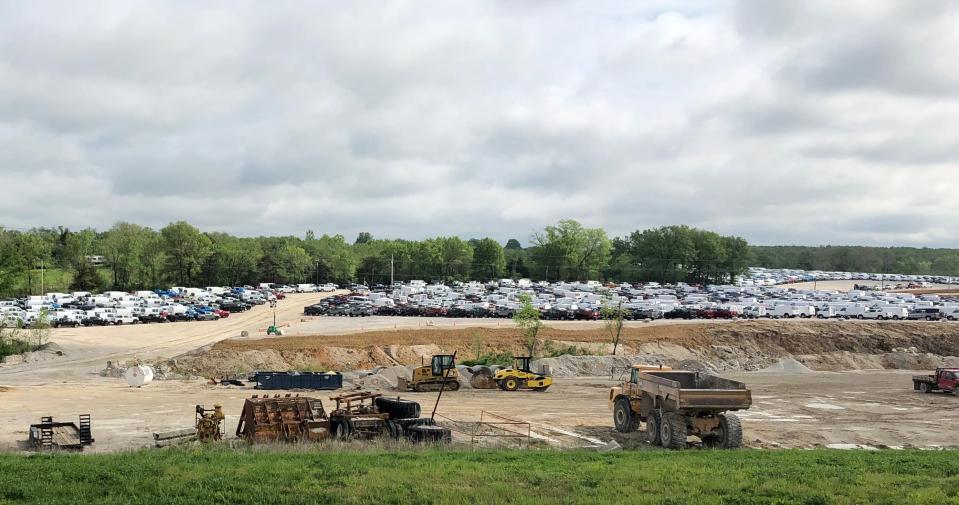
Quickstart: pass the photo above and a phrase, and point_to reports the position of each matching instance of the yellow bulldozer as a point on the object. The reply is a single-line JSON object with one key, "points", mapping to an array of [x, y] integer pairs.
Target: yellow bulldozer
{"points": [[521, 376], [432, 377]]}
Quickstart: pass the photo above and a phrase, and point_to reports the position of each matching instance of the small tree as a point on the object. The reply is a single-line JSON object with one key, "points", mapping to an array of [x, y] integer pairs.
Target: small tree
{"points": [[527, 318], [40, 329], [613, 315]]}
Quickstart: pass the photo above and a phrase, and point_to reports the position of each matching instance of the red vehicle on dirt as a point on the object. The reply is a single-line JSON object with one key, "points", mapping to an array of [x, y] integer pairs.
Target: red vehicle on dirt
{"points": [[222, 313], [945, 380], [279, 295]]}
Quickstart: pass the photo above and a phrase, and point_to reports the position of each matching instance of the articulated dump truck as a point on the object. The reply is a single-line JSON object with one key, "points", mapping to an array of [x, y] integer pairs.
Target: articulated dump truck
{"points": [[675, 404]]}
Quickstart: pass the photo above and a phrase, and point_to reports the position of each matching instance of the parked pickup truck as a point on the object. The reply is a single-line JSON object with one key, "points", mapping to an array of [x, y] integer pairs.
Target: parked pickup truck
{"points": [[675, 404], [945, 380]]}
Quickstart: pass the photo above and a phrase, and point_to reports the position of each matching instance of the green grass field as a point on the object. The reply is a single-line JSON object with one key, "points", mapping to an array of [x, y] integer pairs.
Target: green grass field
{"points": [[204, 476]]}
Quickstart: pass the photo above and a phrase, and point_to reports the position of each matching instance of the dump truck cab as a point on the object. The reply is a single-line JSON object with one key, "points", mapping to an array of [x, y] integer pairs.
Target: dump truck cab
{"points": [[677, 403]]}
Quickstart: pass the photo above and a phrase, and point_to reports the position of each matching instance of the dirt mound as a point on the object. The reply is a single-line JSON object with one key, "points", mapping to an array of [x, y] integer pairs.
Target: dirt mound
{"points": [[786, 366], [739, 345]]}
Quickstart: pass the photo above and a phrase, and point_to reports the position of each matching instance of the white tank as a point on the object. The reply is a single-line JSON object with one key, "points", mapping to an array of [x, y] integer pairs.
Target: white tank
{"points": [[138, 375]]}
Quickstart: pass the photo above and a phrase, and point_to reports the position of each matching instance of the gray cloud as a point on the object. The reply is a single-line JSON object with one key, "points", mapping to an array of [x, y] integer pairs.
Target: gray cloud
{"points": [[783, 122]]}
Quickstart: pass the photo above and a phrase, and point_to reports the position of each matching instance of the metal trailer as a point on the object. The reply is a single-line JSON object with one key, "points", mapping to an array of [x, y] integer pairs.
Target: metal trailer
{"points": [[49, 434]]}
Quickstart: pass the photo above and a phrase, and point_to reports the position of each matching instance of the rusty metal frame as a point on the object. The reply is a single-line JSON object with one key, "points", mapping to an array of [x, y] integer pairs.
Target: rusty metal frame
{"points": [[502, 427]]}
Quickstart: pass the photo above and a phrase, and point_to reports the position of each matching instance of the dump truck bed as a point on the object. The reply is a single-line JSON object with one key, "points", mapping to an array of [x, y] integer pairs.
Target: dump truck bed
{"points": [[696, 390]]}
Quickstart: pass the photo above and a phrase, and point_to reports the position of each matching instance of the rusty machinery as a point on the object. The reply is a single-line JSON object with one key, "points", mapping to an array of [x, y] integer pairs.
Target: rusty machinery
{"points": [[289, 419], [209, 423], [357, 415]]}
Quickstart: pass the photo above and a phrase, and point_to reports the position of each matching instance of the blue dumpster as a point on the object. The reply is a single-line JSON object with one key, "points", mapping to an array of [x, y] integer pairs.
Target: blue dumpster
{"points": [[298, 380]]}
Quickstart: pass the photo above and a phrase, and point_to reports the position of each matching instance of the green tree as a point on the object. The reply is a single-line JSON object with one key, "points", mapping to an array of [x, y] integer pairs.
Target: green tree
{"points": [[456, 257], [40, 328], [613, 316], [571, 251], [294, 263], [122, 245], [12, 266], [364, 237], [34, 250], [234, 260], [489, 261], [153, 260], [186, 249], [527, 318]]}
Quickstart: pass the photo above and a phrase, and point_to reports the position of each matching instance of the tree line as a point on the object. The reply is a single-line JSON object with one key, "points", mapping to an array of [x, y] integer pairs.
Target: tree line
{"points": [[139, 257], [893, 260]]}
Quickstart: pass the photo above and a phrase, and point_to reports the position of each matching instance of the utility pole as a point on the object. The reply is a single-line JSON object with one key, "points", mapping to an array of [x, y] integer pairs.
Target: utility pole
{"points": [[391, 270], [41, 278]]}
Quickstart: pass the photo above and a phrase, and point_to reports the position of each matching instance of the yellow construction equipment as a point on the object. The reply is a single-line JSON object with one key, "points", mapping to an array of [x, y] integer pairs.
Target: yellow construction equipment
{"points": [[432, 377], [209, 423], [520, 376]]}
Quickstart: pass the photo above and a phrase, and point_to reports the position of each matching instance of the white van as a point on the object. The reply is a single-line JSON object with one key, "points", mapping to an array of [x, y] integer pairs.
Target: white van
{"points": [[894, 312], [780, 311], [305, 288], [754, 312]]}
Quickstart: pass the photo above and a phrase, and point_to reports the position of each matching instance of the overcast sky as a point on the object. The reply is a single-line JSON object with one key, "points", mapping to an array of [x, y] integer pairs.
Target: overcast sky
{"points": [[799, 122]]}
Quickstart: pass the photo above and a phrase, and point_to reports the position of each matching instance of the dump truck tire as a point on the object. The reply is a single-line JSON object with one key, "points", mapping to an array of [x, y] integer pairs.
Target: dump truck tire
{"points": [[672, 431], [623, 417], [924, 388], [732, 432], [398, 408], [652, 428]]}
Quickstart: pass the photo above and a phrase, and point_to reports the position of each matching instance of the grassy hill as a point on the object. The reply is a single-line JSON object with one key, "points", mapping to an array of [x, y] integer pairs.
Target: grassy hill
{"points": [[205, 476]]}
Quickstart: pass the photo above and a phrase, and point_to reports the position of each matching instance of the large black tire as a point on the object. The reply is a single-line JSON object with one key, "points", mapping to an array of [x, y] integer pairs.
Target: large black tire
{"points": [[731, 432], [623, 417], [391, 430], [406, 424], [426, 434], [924, 387], [509, 384], [652, 428], [672, 431], [344, 430], [398, 408]]}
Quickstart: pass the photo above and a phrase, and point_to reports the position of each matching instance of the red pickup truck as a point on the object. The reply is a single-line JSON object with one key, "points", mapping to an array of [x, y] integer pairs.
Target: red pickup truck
{"points": [[945, 379]]}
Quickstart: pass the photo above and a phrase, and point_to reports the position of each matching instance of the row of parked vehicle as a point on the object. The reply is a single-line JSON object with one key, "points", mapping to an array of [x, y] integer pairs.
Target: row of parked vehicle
{"points": [[758, 276], [116, 307], [584, 301]]}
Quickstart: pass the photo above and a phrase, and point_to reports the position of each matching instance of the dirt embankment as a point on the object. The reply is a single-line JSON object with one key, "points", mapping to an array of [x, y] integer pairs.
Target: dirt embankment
{"points": [[744, 345]]}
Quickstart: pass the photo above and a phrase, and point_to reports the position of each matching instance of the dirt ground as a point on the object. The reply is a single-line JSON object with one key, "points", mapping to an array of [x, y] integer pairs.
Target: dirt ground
{"points": [[860, 408], [875, 408]]}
